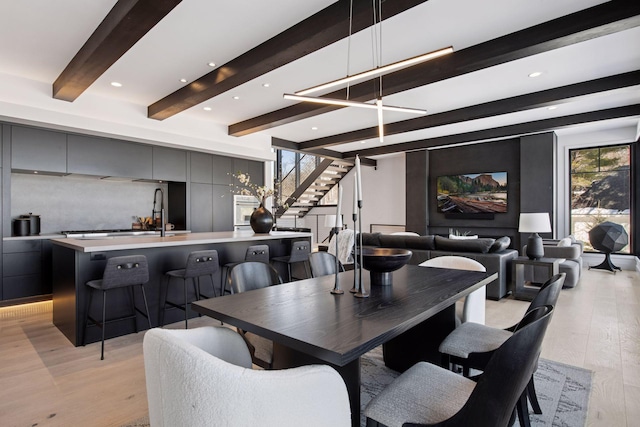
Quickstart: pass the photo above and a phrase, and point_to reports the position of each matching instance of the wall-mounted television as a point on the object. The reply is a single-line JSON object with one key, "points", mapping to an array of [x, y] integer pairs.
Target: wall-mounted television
{"points": [[473, 193]]}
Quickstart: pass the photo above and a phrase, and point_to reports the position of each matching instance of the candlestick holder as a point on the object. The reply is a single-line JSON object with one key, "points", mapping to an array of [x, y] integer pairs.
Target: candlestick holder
{"points": [[361, 292], [356, 282], [336, 286]]}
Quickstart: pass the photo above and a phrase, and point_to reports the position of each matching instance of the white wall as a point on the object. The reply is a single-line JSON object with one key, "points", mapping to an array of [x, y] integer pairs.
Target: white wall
{"points": [[383, 196]]}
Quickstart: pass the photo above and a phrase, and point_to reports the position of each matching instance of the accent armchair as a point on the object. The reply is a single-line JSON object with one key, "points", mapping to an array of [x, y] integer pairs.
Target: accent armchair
{"points": [[203, 377]]}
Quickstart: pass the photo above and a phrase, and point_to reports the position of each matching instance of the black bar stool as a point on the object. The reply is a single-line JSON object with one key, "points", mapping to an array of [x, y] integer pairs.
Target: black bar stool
{"points": [[255, 253], [300, 251], [199, 263], [120, 272]]}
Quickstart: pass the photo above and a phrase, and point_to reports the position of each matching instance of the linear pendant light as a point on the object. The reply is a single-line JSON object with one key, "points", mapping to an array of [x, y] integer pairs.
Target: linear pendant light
{"points": [[347, 103], [378, 70]]}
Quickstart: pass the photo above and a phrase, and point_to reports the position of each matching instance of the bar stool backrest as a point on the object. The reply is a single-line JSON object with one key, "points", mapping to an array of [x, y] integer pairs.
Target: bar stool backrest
{"points": [[300, 251], [125, 271], [201, 263], [257, 253]]}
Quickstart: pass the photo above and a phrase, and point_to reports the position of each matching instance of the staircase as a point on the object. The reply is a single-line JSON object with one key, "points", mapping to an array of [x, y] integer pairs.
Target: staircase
{"points": [[317, 183]]}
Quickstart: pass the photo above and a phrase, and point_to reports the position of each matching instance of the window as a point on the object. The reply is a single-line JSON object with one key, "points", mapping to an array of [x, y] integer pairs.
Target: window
{"points": [[600, 189]]}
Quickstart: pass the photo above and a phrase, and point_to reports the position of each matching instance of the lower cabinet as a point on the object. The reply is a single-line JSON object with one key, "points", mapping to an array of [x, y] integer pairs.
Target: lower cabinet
{"points": [[26, 269]]}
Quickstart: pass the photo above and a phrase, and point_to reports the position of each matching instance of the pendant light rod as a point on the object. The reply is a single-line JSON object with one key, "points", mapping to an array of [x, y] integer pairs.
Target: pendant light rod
{"points": [[378, 70], [347, 103], [380, 120]]}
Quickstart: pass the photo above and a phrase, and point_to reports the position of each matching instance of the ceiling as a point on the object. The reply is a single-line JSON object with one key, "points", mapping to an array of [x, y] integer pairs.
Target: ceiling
{"points": [[590, 65]]}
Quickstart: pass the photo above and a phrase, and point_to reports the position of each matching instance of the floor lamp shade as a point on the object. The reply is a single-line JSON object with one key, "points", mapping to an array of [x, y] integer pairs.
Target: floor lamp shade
{"points": [[534, 223]]}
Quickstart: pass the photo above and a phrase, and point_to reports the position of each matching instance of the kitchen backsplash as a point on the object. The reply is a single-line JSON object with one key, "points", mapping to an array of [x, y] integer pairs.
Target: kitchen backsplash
{"points": [[81, 203]]}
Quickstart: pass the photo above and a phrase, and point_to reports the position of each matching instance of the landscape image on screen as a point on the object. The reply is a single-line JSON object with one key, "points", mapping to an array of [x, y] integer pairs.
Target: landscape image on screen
{"points": [[472, 193]]}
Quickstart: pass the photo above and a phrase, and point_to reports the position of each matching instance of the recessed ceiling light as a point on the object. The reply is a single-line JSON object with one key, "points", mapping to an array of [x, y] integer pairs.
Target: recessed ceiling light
{"points": [[183, 80], [236, 97], [116, 84], [265, 84], [207, 108], [211, 64], [535, 74], [553, 107], [314, 128]]}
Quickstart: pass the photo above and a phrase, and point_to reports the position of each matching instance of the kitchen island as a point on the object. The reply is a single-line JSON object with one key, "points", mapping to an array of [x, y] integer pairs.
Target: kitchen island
{"points": [[76, 261]]}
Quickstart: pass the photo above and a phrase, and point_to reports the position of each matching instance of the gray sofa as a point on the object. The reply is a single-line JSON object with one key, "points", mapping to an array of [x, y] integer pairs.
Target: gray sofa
{"points": [[494, 254]]}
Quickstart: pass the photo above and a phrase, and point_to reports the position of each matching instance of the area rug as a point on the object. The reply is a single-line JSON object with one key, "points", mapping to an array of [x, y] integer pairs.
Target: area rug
{"points": [[563, 391]]}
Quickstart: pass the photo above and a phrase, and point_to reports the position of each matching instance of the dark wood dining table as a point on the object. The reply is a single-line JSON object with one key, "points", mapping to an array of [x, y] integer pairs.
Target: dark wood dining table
{"points": [[308, 324]]}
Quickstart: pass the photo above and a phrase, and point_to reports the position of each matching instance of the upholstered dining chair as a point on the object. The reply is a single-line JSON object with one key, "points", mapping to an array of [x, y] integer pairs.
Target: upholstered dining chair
{"points": [[323, 264], [248, 276], [471, 345], [428, 395], [202, 377], [474, 304]]}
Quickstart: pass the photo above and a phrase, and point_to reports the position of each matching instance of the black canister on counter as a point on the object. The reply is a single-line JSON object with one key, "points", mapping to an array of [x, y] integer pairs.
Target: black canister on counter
{"points": [[34, 224], [21, 226]]}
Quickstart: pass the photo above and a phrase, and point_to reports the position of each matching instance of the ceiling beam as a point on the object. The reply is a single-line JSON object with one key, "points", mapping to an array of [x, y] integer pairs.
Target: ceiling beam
{"points": [[322, 29], [503, 131], [514, 104], [126, 23], [607, 18], [284, 144]]}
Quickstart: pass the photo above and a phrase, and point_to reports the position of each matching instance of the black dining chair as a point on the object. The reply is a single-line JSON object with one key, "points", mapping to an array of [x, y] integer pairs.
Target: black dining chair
{"points": [[323, 264], [249, 276], [120, 272], [471, 345], [257, 253], [300, 251], [199, 264], [429, 395]]}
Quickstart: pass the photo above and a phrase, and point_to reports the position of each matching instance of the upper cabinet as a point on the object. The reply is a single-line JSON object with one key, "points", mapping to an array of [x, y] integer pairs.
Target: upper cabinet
{"points": [[108, 157], [38, 150], [222, 169], [169, 164], [201, 168]]}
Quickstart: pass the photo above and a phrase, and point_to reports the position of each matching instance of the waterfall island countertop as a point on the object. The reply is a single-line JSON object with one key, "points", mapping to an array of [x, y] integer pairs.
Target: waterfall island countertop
{"points": [[116, 243]]}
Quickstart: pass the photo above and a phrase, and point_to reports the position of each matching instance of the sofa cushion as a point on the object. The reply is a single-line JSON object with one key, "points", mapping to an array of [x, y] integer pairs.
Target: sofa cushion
{"points": [[370, 239], [565, 242], [407, 242], [474, 245], [500, 244]]}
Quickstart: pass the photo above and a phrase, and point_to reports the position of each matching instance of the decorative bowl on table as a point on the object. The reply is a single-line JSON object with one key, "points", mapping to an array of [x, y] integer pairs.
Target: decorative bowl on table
{"points": [[381, 262]]}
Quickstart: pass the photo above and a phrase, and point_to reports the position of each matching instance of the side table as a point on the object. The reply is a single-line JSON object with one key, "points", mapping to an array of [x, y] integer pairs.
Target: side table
{"points": [[523, 290]]}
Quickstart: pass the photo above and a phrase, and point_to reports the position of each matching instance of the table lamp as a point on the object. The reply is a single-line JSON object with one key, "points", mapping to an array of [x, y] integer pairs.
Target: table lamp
{"points": [[534, 223], [330, 221]]}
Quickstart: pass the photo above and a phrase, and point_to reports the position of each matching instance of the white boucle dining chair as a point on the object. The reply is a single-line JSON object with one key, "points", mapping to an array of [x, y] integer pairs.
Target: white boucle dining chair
{"points": [[203, 377], [474, 303]]}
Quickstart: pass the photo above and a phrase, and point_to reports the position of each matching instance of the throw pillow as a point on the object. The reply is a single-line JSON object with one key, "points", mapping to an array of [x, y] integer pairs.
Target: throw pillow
{"points": [[455, 237], [500, 244], [480, 245], [564, 242]]}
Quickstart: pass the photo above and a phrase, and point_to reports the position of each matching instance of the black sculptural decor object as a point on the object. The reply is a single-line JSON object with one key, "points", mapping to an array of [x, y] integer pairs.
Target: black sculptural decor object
{"points": [[381, 262], [261, 220], [608, 237]]}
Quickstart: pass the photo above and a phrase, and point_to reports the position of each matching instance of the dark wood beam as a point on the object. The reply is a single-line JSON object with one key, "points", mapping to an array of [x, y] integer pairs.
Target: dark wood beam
{"points": [[597, 21], [322, 29], [514, 104], [126, 23], [503, 131], [284, 144]]}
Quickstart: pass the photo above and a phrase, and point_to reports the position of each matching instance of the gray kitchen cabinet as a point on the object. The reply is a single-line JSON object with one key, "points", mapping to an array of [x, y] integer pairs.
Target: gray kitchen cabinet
{"points": [[26, 269], [241, 165], [108, 157], [169, 164], [256, 170], [201, 203], [38, 150], [222, 208], [201, 168], [222, 170]]}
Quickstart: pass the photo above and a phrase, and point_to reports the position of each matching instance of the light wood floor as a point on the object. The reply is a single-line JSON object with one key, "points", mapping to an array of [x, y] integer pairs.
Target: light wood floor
{"points": [[45, 381]]}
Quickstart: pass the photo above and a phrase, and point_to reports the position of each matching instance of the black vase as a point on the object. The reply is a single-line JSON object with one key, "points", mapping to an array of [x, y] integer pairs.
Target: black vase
{"points": [[261, 220]]}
